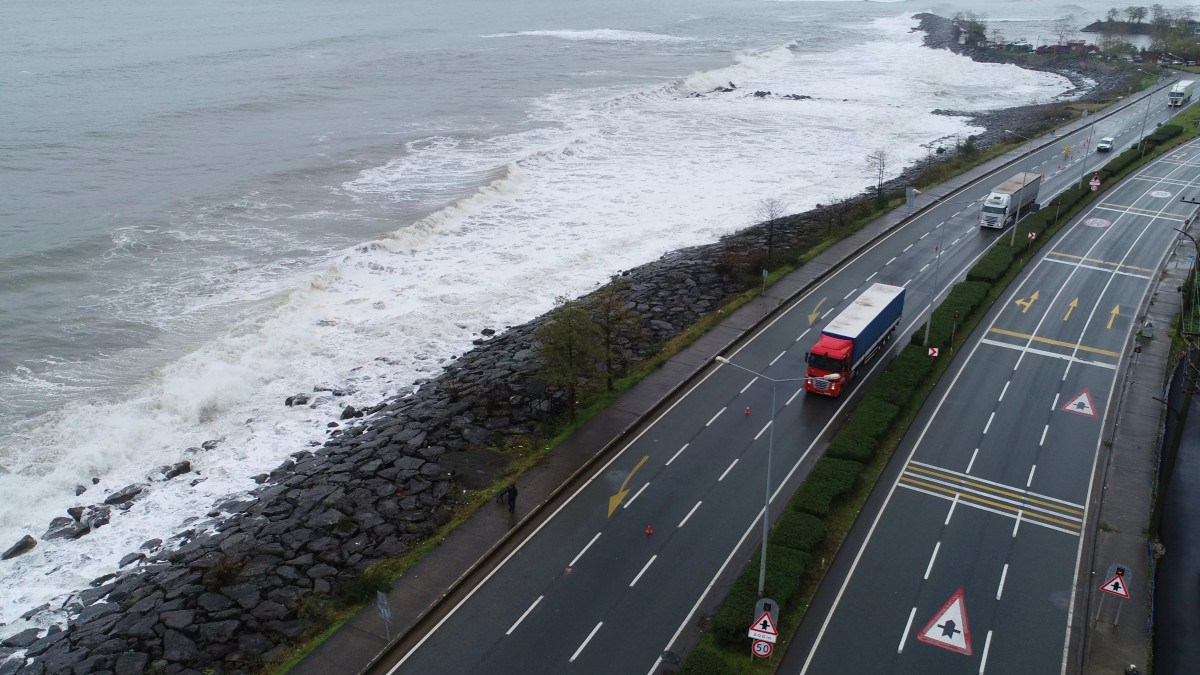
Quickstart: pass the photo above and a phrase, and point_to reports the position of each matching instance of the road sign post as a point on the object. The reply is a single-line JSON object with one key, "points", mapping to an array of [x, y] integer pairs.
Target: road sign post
{"points": [[385, 613], [762, 649]]}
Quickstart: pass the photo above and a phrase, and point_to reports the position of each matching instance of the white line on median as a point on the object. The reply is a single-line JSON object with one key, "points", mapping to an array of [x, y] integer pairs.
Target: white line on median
{"points": [[793, 398], [951, 511], [803, 334], [646, 567], [1017, 524], [748, 385], [1029, 481], [886, 263], [726, 471], [714, 417], [1003, 575], [872, 275], [1054, 406], [518, 622], [925, 235], [972, 462], [904, 635], [689, 515], [678, 453], [586, 640], [852, 291], [635, 496], [1044, 430], [827, 313], [989, 422], [585, 548], [924, 268], [908, 247], [1004, 390], [931, 559], [781, 354], [986, 644]]}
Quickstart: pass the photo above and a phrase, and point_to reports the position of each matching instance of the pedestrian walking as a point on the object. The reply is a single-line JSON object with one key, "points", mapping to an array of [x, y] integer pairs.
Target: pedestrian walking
{"points": [[510, 493]]}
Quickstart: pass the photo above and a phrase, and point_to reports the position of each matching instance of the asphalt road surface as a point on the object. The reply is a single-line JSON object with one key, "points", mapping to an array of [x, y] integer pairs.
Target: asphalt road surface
{"points": [[591, 591], [971, 564]]}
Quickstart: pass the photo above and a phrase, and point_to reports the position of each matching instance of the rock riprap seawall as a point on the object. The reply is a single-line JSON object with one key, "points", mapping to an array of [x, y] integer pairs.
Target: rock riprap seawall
{"points": [[229, 593]]}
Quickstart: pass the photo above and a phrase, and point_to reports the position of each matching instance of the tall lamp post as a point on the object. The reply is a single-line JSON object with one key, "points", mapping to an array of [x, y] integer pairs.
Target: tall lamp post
{"points": [[762, 569], [937, 263], [1013, 241], [1145, 115]]}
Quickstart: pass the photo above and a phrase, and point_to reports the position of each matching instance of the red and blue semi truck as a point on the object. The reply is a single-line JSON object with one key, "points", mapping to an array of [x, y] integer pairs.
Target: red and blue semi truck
{"points": [[853, 338]]}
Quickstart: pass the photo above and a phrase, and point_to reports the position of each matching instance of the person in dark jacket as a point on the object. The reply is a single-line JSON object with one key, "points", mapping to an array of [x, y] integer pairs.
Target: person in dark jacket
{"points": [[510, 493]]}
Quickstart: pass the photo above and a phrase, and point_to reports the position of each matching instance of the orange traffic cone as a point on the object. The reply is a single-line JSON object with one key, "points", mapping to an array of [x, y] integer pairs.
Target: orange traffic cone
{"points": [[747, 411], [648, 530]]}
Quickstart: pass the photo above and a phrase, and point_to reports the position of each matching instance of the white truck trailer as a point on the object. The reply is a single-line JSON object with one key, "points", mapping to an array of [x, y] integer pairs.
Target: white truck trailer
{"points": [[1008, 199], [1181, 93]]}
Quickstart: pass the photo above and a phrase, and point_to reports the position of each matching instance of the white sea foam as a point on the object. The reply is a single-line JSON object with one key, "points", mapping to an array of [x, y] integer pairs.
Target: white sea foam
{"points": [[609, 181], [601, 35]]}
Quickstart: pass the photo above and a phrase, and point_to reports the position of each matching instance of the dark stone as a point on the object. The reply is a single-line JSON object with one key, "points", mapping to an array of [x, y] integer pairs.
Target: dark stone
{"points": [[46, 642], [244, 595], [180, 618], [177, 647], [298, 399], [22, 639], [221, 631], [131, 663], [176, 469], [24, 545], [91, 595], [35, 611], [66, 528], [214, 602], [75, 512], [253, 644], [130, 559], [320, 571], [268, 610], [96, 611], [151, 544], [125, 494]]}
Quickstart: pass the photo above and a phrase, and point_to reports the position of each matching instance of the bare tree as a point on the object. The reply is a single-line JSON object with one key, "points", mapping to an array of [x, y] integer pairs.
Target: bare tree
{"points": [[877, 163], [768, 211], [1113, 15], [1135, 13], [1063, 28]]}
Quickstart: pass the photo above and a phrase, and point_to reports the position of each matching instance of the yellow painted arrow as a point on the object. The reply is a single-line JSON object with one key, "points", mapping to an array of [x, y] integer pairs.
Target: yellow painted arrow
{"points": [[1113, 315], [1027, 303], [615, 500], [816, 311], [1071, 308]]}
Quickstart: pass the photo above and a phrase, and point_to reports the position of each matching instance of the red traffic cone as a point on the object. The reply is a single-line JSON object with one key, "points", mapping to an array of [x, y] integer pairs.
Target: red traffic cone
{"points": [[648, 530], [747, 411]]}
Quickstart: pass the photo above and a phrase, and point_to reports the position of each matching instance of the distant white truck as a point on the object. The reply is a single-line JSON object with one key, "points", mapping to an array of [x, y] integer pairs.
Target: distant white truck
{"points": [[1181, 93], [1009, 199]]}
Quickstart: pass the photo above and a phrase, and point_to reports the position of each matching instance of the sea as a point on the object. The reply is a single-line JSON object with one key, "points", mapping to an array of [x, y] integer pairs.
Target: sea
{"points": [[208, 207]]}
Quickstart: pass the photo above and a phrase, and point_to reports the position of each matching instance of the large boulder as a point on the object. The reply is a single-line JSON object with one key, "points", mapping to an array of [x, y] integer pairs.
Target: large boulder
{"points": [[25, 545]]}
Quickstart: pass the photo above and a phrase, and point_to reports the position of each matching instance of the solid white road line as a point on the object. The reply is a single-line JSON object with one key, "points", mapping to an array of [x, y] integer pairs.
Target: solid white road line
{"points": [[644, 568], [678, 453], [986, 645], [635, 495], [518, 622], [1003, 575], [689, 514], [760, 431], [586, 640], [949, 513], [933, 557], [904, 635], [714, 417], [972, 462], [748, 385], [585, 548], [727, 471]]}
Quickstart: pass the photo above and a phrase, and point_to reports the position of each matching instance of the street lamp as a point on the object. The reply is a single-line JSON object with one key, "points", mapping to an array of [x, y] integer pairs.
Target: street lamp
{"points": [[937, 264], [762, 569], [1142, 133], [1013, 241]]}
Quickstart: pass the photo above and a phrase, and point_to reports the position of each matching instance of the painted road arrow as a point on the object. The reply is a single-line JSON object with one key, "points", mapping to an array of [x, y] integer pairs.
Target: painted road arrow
{"points": [[816, 311], [1113, 315], [1071, 308], [1027, 303], [615, 500]]}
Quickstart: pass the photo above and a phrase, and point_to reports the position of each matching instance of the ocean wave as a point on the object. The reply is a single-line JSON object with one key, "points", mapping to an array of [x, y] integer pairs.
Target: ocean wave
{"points": [[599, 35]]}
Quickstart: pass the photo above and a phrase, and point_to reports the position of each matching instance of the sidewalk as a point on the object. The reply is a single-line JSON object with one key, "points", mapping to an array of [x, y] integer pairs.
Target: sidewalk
{"points": [[430, 589]]}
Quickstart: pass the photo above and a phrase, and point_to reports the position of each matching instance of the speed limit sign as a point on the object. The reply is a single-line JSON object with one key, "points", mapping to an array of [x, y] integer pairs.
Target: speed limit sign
{"points": [[762, 648]]}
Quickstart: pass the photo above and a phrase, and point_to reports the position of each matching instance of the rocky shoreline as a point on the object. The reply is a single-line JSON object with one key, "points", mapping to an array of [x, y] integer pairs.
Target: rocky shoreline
{"points": [[235, 589]]}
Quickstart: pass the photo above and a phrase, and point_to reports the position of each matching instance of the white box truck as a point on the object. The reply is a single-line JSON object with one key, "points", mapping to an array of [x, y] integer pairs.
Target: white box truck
{"points": [[1181, 93], [1009, 199]]}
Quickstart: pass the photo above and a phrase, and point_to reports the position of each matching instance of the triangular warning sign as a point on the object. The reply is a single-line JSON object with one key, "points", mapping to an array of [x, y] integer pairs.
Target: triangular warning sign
{"points": [[948, 628], [1116, 586], [1081, 404], [764, 629]]}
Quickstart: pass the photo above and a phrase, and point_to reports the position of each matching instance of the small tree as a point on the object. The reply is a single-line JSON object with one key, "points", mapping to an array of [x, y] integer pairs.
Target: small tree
{"points": [[570, 348], [768, 211], [615, 321], [1112, 16], [877, 163], [1064, 28], [1135, 14]]}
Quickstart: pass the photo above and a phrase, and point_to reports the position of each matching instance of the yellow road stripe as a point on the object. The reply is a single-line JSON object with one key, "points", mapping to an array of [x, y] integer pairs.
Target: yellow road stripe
{"points": [[988, 488], [995, 504], [1144, 211], [1060, 343], [1102, 262]]}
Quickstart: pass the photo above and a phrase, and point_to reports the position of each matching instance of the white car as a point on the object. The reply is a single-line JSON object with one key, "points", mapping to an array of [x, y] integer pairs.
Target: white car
{"points": [[1105, 144]]}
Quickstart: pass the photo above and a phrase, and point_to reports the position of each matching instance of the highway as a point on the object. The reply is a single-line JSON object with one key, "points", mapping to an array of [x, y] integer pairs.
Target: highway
{"points": [[591, 591], [971, 565]]}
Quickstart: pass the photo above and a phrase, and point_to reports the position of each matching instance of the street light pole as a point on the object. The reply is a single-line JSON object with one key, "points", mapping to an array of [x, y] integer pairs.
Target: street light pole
{"points": [[762, 568], [1016, 218]]}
